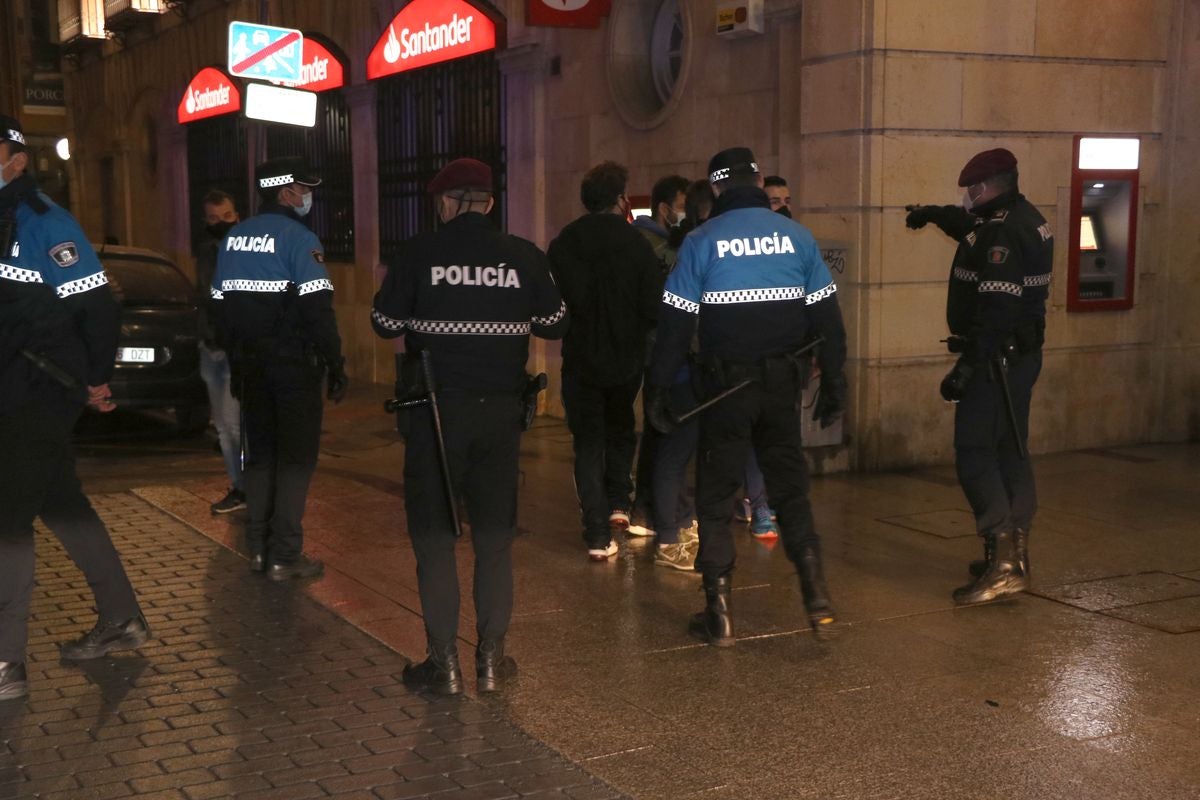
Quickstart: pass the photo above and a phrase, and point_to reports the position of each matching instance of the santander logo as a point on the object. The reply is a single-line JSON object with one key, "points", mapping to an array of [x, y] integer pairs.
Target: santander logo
{"points": [[430, 31], [211, 93]]}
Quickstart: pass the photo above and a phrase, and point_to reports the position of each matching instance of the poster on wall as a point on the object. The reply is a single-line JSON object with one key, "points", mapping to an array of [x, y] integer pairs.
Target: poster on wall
{"points": [[566, 13]]}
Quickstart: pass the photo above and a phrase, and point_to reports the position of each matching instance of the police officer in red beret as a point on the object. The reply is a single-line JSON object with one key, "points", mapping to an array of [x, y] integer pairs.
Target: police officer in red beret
{"points": [[996, 311], [470, 296]]}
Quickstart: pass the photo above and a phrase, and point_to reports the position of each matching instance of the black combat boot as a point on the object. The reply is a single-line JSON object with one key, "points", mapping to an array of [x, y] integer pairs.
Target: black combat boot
{"points": [[439, 673], [1021, 542], [812, 587], [493, 669], [13, 683], [106, 637], [1003, 576], [979, 566], [715, 623]]}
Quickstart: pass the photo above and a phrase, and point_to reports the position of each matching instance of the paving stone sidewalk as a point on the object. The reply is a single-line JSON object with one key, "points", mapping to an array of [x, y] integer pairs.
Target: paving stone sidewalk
{"points": [[249, 690]]}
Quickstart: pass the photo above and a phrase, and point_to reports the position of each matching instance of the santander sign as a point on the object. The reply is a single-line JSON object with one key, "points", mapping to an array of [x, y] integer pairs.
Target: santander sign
{"points": [[320, 70], [428, 32], [210, 94]]}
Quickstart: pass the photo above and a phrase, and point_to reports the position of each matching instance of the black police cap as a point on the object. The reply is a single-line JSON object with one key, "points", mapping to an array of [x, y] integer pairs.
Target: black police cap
{"points": [[283, 171], [733, 161], [11, 130]]}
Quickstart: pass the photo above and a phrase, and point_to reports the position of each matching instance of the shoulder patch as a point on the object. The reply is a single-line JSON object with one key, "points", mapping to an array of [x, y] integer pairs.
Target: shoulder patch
{"points": [[971, 237], [65, 254], [318, 256], [997, 255], [999, 216]]}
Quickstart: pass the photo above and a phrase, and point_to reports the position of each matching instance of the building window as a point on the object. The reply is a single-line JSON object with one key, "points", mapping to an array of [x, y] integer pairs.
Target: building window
{"points": [[648, 53]]}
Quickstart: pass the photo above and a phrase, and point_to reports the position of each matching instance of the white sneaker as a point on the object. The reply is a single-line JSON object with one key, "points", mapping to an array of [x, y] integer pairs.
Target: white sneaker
{"points": [[618, 519], [680, 556], [639, 530], [603, 553]]}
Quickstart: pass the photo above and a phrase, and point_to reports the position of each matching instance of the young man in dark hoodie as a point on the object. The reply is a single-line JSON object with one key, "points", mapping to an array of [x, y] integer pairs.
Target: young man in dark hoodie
{"points": [[611, 282]]}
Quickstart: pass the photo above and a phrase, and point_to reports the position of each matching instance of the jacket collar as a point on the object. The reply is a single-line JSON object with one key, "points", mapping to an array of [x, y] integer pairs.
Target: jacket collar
{"points": [[740, 197]]}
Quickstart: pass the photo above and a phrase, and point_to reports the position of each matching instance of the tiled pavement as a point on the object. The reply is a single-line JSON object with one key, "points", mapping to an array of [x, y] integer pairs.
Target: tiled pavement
{"points": [[249, 690]]}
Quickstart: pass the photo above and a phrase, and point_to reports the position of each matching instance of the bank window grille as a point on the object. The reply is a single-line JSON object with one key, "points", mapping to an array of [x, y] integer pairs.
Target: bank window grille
{"points": [[326, 146], [427, 118], [216, 160]]}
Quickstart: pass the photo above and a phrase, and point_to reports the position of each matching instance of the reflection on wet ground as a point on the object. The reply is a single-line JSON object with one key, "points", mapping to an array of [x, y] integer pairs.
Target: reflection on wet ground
{"points": [[1085, 687]]}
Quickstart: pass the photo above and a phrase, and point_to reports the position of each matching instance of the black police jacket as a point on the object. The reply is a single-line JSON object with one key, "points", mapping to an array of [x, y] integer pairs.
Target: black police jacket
{"points": [[471, 296], [1000, 278]]}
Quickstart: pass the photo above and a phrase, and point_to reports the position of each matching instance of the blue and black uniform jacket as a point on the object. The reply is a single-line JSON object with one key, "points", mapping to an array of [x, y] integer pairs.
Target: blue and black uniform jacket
{"points": [[255, 310], [755, 283]]}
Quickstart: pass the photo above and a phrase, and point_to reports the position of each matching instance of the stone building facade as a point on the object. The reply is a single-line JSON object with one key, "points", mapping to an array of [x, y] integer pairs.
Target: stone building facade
{"points": [[864, 105]]}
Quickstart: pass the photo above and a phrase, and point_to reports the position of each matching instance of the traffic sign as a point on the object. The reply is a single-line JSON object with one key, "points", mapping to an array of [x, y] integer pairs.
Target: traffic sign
{"points": [[264, 52]]}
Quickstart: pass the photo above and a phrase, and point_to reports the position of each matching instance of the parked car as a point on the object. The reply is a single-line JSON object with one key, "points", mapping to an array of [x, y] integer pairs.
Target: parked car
{"points": [[158, 360]]}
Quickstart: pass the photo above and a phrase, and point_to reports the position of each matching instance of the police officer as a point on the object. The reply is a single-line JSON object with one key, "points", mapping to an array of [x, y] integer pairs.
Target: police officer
{"points": [[273, 309], [470, 296], [996, 311], [756, 284], [58, 338]]}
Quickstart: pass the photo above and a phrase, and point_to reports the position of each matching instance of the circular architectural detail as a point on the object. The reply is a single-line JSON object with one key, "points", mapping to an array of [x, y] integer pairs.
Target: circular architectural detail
{"points": [[648, 53]]}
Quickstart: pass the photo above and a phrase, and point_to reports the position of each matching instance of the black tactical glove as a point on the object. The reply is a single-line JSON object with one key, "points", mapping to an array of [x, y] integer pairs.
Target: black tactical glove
{"points": [[954, 385], [831, 399], [337, 382], [919, 216], [658, 412]]}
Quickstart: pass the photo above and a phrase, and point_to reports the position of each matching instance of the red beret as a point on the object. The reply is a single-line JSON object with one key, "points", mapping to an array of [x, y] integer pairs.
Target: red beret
{"points": [[462, 173], [986, 164]]}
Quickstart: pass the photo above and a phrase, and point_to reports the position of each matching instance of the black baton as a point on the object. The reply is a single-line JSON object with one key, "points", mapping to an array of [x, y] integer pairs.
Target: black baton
{"points": [[712, 401], [1002, 370], [60, 376]]}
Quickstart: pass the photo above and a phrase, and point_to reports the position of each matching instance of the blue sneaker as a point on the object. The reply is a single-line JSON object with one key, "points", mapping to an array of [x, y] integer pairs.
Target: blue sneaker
{"points": [[762, 526]]}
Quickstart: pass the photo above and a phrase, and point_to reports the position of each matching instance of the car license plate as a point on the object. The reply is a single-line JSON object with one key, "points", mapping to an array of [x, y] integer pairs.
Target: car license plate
{"points": [[136, 355]]}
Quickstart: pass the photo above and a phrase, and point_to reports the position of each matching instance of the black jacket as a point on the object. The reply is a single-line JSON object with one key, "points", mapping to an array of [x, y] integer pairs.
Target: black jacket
{"points": [[471, 296], [612, 283]]}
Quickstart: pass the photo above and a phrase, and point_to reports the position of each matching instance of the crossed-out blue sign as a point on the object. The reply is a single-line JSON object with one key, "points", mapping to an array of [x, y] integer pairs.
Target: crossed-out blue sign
{"points": [[264, 51]]}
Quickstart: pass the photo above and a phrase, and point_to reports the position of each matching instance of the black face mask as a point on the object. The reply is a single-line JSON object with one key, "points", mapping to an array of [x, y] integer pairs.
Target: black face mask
{"points": [[787, 212], [218, 229]]}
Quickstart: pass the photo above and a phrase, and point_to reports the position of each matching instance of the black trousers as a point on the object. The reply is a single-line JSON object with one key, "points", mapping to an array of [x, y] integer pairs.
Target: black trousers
{"points": [[602, 426], [649, 443], [281, 407], [483, 436], [37, 479], [767, 422], [998, 483]]}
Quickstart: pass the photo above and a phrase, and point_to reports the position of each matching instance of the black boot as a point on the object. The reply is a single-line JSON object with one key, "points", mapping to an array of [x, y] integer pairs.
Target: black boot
{"points": [[493, 669], [715, 623], [979, 566], [302, 567], [106, 637], [13, 683], [813, 588], [1021, 542], [439, 673], [1003, 576]]}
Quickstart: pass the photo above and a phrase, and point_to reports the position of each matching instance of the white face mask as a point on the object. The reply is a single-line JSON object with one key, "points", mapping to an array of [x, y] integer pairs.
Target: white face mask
{"points": [[305, 204], [4, 166], [680, 216], [967, 202]]}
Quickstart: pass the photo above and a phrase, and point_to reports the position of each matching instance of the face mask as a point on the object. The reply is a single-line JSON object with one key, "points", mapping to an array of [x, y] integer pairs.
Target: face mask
{"points": [[787, 212], [218, 229], [680, 216], [305, 205], [967, 202], [3, 167]]}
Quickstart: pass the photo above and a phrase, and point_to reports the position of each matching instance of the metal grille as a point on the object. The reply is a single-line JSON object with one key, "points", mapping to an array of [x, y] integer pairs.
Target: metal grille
{"points": [[216, 160], [326, 146], [427, 118]]}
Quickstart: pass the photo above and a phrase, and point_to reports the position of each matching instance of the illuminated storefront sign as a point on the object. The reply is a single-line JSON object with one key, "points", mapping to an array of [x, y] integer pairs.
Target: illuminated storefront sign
{"points": [[320, 70], [428, 32], [210, 94]]}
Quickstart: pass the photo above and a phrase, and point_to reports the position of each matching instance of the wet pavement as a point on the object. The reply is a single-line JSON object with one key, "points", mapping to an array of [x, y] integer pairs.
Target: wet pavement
{"points": [[1086, 687]]}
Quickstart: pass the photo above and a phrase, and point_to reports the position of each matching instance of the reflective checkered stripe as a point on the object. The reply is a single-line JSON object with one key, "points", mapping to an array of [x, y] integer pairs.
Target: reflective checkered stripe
{"points": [[254, 286], [752, 295], [1000, 286], [217, 294], [279, 180], [10, 273], [1037, 280], [553, 318], [81, 285], [820, 294], [467, 328], [386, 322], [963, 274], [681, 303], [319, 285]]}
